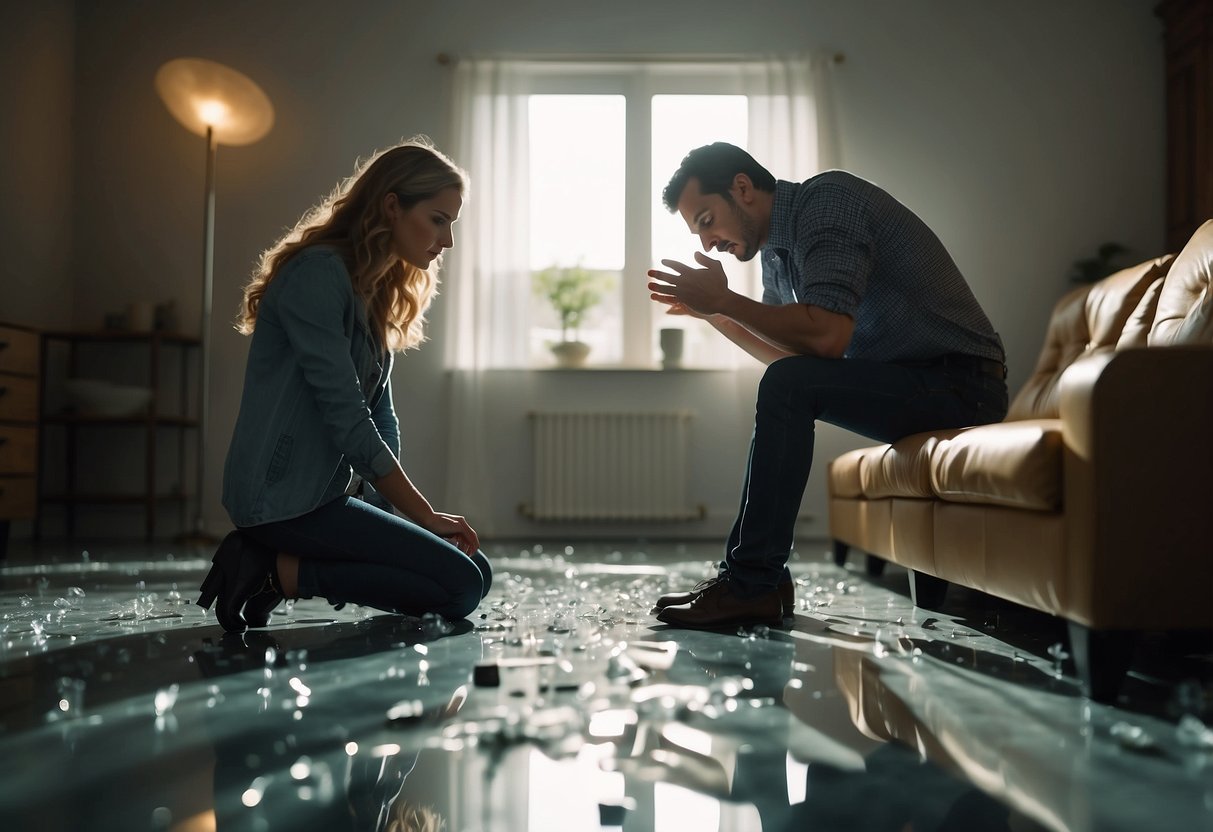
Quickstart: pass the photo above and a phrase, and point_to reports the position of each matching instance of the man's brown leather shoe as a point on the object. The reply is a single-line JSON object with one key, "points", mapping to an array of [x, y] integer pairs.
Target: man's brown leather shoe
{"points": [[718, 606], [787, 596]]}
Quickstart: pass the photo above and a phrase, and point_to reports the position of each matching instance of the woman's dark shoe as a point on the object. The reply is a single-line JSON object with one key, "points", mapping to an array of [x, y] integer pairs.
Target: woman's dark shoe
{"points": [[258, 608], [238, 572]]}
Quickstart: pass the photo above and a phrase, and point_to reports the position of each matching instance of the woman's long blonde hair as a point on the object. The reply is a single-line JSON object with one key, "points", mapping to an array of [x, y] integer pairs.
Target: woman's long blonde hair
{"points": [[352, 219], [404, 816]]}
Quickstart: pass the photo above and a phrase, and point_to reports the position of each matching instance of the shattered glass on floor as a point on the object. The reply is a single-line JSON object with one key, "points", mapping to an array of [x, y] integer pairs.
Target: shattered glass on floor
{"points": [[562, 704]]}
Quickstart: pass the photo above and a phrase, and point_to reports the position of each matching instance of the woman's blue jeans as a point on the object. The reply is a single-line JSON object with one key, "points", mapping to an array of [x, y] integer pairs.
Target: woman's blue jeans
{"points": [[351, 552], [881, 401]]}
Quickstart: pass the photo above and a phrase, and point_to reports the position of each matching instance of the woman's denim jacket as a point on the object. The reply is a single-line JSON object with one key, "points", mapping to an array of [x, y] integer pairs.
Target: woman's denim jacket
{"points": [[317, 400]]}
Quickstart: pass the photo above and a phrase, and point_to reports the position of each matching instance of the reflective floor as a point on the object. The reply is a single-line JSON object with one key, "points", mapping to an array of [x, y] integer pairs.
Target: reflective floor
{"points": [[563, 705]]}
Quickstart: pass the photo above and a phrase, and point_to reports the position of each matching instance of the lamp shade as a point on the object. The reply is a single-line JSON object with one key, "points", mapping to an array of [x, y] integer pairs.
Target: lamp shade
{"points": [[202, 94]]}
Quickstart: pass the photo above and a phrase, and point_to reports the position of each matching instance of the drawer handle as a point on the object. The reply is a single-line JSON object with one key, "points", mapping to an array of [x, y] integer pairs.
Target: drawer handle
{"points": [[3, 390], [3, 440], [3, 345]]}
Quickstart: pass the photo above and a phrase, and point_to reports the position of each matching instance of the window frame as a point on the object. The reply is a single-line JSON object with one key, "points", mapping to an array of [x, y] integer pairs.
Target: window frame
{"points": [[637, 82]]}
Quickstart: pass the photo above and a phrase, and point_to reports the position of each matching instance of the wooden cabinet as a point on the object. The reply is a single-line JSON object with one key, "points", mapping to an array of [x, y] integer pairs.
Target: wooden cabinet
{"points": [[1189, 101], [19, 395]]}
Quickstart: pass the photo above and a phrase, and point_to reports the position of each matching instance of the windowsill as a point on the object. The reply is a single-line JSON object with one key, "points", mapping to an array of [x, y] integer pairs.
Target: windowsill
{"points": [[605, 369], [614, 368]]}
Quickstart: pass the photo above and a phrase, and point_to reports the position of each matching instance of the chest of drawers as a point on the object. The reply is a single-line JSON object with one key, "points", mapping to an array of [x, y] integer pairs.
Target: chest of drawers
{"points": [[20, 350]]}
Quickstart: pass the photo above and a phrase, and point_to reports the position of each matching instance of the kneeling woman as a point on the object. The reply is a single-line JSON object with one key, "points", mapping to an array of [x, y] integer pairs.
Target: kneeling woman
{"points": [[327, 307]]}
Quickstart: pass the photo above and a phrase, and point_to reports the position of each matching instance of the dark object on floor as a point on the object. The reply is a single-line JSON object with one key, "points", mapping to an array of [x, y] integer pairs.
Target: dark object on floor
{"points": [[486, 676]]}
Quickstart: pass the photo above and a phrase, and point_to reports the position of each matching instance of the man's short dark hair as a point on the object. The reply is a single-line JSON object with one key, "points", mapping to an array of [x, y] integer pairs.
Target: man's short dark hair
{"points": [[715, 165]]}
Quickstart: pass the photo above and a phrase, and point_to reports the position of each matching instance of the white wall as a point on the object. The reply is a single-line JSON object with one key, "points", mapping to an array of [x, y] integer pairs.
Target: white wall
{"points": [[1025, 133]]}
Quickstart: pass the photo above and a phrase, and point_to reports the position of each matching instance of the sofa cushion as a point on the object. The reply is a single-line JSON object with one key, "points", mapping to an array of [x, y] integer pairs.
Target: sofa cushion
{"points": [[1088, 319], [1016, 464], [1136, 331], [842, 474], [902, 469], [1185, 307]]}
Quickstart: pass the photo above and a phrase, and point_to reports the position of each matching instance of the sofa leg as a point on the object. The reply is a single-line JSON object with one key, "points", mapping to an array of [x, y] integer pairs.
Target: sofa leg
{"points": [[840, 553], [927, 591], [1102, 658], [875, 566]]}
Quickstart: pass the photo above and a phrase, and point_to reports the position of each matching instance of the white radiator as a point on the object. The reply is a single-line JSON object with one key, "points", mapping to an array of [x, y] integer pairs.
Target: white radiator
{"points": [[611, 466]]}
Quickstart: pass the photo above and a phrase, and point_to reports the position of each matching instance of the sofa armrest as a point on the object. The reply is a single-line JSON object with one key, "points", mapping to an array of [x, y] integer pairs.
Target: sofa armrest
{"points": [[1147, 389], [1138, 431]]}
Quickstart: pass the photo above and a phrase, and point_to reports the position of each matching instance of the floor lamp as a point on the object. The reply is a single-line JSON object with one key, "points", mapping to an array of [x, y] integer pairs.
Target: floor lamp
{"points": [[225, 107]]}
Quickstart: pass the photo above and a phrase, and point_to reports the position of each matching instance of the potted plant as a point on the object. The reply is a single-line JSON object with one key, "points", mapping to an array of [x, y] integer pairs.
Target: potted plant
{"points": [[1108, 258], [572, 291]]}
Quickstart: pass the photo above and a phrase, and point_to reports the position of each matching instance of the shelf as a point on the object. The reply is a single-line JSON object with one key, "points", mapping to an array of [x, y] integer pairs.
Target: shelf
{"points": [[113, 499], [78, 419], [121, 335], [82, 430]]}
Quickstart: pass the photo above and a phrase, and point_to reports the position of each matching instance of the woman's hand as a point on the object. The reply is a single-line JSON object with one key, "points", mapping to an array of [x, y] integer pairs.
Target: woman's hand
{"points": [[455, 530], [405, 498]]}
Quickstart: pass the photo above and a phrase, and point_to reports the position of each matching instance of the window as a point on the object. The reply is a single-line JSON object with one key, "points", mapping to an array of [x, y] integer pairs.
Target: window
{"points": [[567, 164], [602, 144], [577, 172]]}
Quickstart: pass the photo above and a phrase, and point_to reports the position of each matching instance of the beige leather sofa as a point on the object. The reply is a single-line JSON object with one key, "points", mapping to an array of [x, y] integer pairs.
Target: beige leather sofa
{"points": [[1093, 500]]}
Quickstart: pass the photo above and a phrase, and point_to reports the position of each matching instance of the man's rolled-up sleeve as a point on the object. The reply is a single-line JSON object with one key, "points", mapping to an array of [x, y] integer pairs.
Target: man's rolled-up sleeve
{"points": [[834, 251]]}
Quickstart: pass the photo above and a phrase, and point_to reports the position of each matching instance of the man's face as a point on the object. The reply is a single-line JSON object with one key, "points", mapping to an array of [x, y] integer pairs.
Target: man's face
{"points": [[721, 224]]}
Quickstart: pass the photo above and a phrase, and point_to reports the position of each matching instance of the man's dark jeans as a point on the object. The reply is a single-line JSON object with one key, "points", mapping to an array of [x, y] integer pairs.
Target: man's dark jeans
{"points": [[881, 401]]}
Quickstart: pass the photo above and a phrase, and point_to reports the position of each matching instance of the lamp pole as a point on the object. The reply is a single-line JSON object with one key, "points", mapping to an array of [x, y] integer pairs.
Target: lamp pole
{"points": [[199, 533]]}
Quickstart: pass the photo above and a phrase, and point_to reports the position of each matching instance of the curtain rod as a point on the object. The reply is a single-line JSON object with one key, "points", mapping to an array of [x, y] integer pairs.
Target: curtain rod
{"points": [[448, 59]]}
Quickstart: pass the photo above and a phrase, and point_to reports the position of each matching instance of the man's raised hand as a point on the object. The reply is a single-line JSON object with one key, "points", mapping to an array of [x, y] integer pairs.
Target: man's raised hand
{"points": [[702, 292]]}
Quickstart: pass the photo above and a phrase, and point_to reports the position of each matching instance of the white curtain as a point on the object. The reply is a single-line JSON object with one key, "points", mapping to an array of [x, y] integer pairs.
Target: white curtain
{"points": [[487, 280], [793, 131]]}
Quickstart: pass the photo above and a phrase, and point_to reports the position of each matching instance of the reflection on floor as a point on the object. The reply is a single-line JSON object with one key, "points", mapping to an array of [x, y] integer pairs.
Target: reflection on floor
{"points": [[563, 705]]}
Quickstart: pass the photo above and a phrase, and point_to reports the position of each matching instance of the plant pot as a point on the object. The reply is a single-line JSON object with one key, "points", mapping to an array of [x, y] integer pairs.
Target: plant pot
{"points": [[570, 353]]}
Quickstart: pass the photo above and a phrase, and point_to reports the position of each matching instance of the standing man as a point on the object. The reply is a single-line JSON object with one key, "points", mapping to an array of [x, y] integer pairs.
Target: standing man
{"points": [[865, 323]]}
